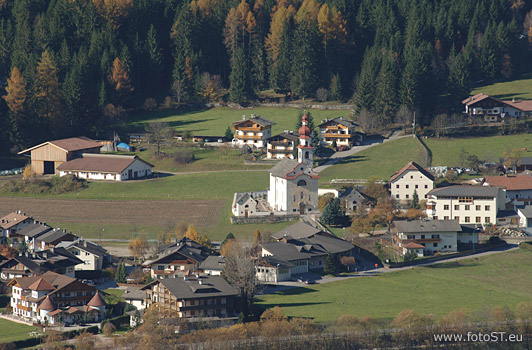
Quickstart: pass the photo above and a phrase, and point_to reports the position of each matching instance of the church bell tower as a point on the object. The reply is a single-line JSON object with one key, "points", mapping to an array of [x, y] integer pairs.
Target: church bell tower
{"points": [[305, 151]]}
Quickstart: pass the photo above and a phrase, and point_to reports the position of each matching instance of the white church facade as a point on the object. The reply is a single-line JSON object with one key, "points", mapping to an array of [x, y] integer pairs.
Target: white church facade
{"points": [[293, 184]]}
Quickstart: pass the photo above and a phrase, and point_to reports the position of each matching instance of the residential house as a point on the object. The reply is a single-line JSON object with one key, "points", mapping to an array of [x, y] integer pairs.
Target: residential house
{"points": [[93, 255], [525, 216], [342, 131], [352, 199], [300, 248], [111, 167], [409, 179], [270, 269], [490, 109], [282, 145], [192, 297], [135, 296], [248, 204], [52, 238], [426, 237], [253, 132], [213, 265], [32, 232], [518, 188], [11, 224], [35, 263], [52, 298], [46, 157], [176, 259], [467, 204]]}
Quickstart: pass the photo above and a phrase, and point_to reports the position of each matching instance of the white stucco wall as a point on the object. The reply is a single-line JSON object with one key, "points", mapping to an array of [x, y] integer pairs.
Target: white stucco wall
{"points": [[403, 187]]}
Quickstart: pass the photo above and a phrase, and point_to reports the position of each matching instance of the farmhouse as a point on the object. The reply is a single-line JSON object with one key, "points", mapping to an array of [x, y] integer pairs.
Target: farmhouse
{"points": [[409, 179], [253, 132], [525, 216], [192, 297], [352, 199], [176, 259], [106, 167], [518, 188], [491, 109], [282, 145], [52, 298], [467, 204], [11, 224], [46, 157], [425, 237], [341, 131]]}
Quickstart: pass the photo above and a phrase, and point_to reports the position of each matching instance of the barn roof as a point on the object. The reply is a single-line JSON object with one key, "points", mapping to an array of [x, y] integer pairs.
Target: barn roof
{"points": [[104, 163], [69, 145]]}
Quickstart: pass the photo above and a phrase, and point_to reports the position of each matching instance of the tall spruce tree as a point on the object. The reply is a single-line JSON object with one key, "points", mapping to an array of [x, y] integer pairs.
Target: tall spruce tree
{"points": [[240, 88], [304, 74]]}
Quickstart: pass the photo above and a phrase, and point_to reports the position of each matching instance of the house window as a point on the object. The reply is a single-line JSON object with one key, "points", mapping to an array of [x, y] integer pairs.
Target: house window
{"points": [[435, 217], [456, 207], [407, 186], [301, 183], [477, 207], [467, 207], [445, 218], [487, 219], [435, 245], [397, 196], [426, 186], [193, 302], [422, 236], [417, 186], [477, 219], [411, 176], [396, 186], [435, 236], [457, 218], [467, 219], [486, 207], [411, 236], [446, 207]]}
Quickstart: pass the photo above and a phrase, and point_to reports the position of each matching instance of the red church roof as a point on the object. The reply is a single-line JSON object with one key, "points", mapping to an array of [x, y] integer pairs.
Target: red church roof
{"points": [[96, 301]]}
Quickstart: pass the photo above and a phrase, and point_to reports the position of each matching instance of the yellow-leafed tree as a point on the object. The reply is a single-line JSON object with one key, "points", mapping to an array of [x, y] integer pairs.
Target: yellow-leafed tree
{"points": [[192, 233], [48, 90], [16, 93]]}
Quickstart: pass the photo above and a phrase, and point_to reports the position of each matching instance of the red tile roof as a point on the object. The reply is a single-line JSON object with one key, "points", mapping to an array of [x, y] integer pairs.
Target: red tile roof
{"points": [[47, 304], [41, 285], [511, 183], [96, 300], [413, 245], [525, 105], [412, 166], [104, 163]]}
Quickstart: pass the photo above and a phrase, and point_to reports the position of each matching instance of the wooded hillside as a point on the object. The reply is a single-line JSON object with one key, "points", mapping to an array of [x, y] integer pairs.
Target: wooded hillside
{"points": [[72, 67]]}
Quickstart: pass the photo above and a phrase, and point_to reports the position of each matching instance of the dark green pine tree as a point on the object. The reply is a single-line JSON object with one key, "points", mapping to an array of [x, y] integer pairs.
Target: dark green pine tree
{"points": [[330, 266], [414, 203], [72, 91], [125, 58], [488, 53], [459, 80], [64, 60], [102, 94], [336, 91], [304, 73], [386, 93], [22, 43], [240, 85], [155, 58], [333, 214], [121, 274], [228, 133], [365, 93], [280, 69], [6, 42]]}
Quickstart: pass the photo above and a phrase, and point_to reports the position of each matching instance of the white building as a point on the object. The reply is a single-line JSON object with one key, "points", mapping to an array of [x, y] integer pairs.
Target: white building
{"points": [[11, 224], [412, 177], [467, 204], [247, 204], [136, 297], [109, 167], [426, 237], [518, 188], [213, 265], [491, 109], [93, 255], [270, 269], [253, 132], [342, 131], [294, 184]]}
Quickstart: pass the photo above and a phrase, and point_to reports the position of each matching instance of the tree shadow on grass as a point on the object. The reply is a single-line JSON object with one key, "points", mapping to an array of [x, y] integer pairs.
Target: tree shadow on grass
{"points": [[352, 159], [450, 265], [510, 96], [286, 305]]}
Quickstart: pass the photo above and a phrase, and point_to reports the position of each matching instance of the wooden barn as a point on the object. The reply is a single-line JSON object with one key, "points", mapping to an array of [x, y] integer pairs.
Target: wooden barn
{"points": [[46, 157]]}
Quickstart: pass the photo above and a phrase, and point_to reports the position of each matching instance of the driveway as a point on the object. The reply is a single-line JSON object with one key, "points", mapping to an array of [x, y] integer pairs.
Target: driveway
{"points": [[336, 157]]}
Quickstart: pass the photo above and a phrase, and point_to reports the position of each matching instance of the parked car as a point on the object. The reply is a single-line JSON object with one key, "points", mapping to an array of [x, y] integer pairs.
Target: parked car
{"points": [[342, 148]]}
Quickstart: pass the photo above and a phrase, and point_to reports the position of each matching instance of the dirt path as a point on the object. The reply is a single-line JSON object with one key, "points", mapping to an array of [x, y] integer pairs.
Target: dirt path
{"points": [[135, 212]]}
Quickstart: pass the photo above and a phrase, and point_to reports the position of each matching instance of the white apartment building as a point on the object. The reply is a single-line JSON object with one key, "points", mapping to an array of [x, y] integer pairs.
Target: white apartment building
{"points": [[466, 204], [412, 177], [253, 132]]}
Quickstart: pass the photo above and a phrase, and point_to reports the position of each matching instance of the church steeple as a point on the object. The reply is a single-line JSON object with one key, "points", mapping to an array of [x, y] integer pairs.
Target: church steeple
{"points": [[305, 150]]}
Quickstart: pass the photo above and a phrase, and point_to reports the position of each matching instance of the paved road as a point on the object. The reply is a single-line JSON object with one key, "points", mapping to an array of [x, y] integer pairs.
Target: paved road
{"points": [[372, 271], [336, 157]]}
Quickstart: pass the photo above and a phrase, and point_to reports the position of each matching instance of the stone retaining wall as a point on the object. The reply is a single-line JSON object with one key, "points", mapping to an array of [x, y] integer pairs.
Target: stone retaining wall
{"points": [[270, 219]]}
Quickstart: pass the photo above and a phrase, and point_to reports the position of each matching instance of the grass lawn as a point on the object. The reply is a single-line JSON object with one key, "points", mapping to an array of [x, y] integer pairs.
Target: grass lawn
{"points": [[520, 89], [214, 121], [12, 331], [473, 284], [446, 151], [380, 161]]}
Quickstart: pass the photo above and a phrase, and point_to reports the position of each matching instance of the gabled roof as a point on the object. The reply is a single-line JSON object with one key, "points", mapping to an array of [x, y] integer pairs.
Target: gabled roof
{"points": [[412, 245], [85, 245], [356, 194], [12, 219], [340, 120], [411, 166], [285, 135], [289, 168], [58, 281], [526, 211], [105, 163], [257, 120], [186, 247], [273, 261], [415, 226], [511, 183], [42, 261], [41, 285], [523, 105], [297, 230], [134, 293], [465, 190], [214, 263], [35, 229], [294, 250], [506, 214], [55, 235], [199, 287], [69, 145], [479, 97]]}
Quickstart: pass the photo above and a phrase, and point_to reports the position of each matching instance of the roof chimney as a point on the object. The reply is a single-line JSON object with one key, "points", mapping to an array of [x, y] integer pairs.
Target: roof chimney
{"points": [[85, 244], [200, 282], [243, 117]]}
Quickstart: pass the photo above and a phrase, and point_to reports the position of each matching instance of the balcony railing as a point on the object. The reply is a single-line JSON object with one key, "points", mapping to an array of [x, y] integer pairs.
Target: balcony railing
{"points": [[273, 150], [249, 128], [343, 136], [248, 137]]}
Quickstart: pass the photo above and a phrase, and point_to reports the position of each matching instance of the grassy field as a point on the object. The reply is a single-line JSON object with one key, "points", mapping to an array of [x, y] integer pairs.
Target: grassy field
{"points": [[380, 161], [12, 331], [520, 89], [472, 284], [214, 121], [446, 151]]}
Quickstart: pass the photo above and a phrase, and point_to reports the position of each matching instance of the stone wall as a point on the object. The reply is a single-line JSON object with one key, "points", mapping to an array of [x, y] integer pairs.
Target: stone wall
{"points": [[270, 219]]}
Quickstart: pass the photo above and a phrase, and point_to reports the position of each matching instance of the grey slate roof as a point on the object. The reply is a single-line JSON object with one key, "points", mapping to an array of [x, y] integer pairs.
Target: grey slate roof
{"points": [[54, 235], [285, 135], [341, 120], [526, 211], [45, 260], [297, 230], [465, 190], [525, 161], [211, 286], [242, 197], [283, 167], [134, 293], [34, 230], [506, 214], [356, 194], [259, 120], [290, 251], [274, 261], [471, 228], [414, 226], [331, 244], [83, 244], [214, 263], [186, 247]]}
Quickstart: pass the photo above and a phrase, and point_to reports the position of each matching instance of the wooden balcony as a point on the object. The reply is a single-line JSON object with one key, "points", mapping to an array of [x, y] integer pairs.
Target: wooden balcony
{"points": [[249, 137], [281, 143], [275, 150], [343, 136], [255, 129]]}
